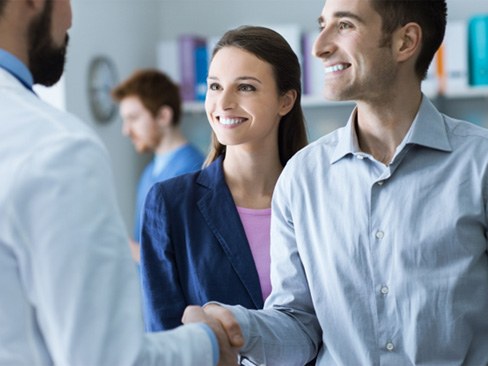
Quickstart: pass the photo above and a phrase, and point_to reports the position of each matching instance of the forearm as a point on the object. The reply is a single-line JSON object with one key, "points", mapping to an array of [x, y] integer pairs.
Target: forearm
{"points": [[278, 336]]}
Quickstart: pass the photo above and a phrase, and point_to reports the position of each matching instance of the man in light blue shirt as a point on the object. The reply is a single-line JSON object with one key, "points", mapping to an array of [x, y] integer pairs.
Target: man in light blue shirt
{"points": [[379, 229]]}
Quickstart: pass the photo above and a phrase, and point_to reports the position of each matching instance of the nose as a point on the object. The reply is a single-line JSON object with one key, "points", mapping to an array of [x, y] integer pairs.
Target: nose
{"points": [[226, 99], [323, 45]]}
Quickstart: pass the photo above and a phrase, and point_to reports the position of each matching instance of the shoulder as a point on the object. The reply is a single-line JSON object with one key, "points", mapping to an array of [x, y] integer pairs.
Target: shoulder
{"points": [[460, 128], [175, 190], [43, 137], [467, 138], [317, 152]]}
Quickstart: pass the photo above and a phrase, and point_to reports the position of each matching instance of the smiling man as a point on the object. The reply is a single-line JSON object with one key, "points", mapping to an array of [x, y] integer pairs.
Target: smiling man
{"points": [[379, 229]]}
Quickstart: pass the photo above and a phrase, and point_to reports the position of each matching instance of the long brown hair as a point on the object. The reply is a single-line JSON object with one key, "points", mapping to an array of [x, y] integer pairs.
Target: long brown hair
{"points": [[272, 48]]}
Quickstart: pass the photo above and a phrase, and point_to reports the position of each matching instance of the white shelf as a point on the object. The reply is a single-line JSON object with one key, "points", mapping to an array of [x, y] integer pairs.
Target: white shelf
{"points": [[319, 101], [472, 92], [193, 107]]}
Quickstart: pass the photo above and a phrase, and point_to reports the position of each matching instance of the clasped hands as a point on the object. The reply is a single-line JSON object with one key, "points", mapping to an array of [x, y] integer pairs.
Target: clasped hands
{"points": [[225, 327]]}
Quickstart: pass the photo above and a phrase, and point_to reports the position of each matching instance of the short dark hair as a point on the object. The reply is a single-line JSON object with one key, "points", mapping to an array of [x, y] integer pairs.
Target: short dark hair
{"points": [[272, 48], [430, 15], [154, 89]]}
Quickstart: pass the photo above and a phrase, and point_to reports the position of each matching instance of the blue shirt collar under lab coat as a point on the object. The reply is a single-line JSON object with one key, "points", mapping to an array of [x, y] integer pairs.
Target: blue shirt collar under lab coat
{"points": [[17, 68]]}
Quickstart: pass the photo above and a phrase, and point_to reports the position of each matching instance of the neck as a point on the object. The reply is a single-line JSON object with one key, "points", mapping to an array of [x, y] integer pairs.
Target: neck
{"points": [[251, 177], [382, 126], [172, 139]]}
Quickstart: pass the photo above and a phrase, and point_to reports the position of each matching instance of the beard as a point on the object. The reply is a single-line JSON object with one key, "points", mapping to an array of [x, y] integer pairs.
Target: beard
{"points": [[46, 59]]}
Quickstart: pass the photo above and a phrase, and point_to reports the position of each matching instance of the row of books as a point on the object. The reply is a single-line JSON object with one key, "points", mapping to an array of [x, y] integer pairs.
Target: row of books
{"points": [[460, 64]]}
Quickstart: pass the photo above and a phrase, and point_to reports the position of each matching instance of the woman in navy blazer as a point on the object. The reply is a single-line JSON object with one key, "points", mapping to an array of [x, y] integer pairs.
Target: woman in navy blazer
{"points": [[194, 246]]}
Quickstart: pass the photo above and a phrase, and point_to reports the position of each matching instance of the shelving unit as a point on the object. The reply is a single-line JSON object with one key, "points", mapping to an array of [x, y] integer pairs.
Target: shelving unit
{"points": [[474, 92]]}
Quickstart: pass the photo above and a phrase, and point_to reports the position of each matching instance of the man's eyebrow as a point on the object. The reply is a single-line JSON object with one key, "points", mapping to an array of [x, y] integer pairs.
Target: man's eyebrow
{"points": [[342, 14]]}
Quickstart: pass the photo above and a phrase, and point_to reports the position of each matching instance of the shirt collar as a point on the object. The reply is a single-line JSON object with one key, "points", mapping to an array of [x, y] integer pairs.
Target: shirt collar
{"points": [[17, 68], [427, 129]]}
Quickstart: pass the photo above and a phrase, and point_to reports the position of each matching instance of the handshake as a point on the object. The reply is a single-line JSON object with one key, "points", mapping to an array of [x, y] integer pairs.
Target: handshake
{"points": [[225, 327]]}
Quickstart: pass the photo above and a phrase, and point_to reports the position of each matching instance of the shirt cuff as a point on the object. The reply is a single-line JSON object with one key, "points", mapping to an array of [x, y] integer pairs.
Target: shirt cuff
{"points": [[213, 340]]}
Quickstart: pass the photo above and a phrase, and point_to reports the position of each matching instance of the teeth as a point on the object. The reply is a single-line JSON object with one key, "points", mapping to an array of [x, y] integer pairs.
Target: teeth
{"points": [[335, 68], [230, 121]]}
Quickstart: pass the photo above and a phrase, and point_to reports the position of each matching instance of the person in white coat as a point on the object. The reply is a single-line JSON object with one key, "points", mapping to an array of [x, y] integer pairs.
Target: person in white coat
{"points": [[69, 290]]}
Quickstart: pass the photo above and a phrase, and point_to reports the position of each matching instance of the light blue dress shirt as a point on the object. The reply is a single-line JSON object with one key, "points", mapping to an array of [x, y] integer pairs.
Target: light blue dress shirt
{"points": [[376, 264], [15, 67], [184, 159]]}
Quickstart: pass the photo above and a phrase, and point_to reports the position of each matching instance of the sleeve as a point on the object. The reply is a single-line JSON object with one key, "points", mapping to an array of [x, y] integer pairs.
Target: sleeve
{"points": [[287, 331], [78, 272], [163, 296]]}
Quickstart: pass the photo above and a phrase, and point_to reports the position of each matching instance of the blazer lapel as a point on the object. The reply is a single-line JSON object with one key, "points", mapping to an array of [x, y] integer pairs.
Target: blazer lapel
{"points": [[218, 208]]}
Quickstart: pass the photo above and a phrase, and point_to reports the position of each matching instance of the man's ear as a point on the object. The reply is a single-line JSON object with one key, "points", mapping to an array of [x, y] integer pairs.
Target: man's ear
{"points": [[36, 5], [407, 41], [165, 116], [287, 101]]}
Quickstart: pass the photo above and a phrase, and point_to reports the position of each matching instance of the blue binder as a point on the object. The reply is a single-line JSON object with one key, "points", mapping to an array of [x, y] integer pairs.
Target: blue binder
{"points": [[478, 50]]}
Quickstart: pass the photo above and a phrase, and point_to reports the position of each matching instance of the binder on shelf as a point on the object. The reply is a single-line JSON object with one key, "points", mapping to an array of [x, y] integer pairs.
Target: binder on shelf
{"points": [[454, 76], [211, 43], [189, 47], [478, 50], [430, 85], [168, 60], [201, 70], [313, 74]]}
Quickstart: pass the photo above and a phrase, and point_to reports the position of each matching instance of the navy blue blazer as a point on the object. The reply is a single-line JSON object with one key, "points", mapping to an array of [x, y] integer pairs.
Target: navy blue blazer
{"points": [[194, 249]]}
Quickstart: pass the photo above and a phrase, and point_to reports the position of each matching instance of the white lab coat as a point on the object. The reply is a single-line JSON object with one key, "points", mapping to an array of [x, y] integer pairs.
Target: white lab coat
{"points": [[69, 293]]}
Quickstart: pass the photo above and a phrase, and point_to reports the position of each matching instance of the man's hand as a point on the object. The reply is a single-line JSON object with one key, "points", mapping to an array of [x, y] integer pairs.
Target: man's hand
{"points": [[224, 326]]}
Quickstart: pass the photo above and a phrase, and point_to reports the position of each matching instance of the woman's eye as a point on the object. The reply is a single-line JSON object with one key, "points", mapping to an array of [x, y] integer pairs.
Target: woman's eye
{"points": [[246, 88], [213, 86]]}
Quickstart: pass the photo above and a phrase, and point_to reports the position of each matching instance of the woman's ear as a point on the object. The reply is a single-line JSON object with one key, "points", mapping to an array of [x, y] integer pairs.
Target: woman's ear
{"points": [[407, 41], [165, 116], [287, 101]]}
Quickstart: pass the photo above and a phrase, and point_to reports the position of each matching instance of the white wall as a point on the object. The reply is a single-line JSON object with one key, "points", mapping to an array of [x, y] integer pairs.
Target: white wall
{"points": [[213, 17], [125, 30]]}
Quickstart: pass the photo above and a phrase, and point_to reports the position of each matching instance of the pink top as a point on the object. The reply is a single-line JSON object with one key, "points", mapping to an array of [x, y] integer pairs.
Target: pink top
{"points": [[257, 227]]}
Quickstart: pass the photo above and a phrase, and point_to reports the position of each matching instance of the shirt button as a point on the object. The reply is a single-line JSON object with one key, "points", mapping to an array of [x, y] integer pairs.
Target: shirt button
{"points": [[390, 346], [360, 157], [380, 183], [380, 234], [384, 290]]}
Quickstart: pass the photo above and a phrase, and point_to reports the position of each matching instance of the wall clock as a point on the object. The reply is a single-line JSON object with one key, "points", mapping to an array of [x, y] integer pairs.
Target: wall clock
{"points": [[102, 78]]}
